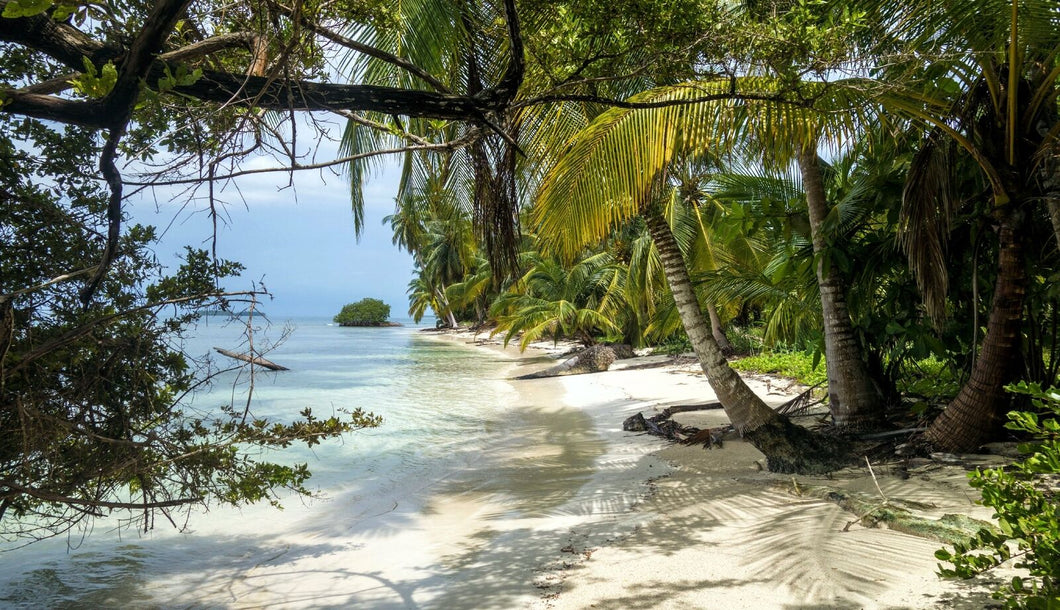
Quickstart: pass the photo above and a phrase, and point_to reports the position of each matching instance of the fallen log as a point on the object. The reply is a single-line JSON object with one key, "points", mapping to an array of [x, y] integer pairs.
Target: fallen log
{"points": [[255, 360], [873, 512], [589, 360]]}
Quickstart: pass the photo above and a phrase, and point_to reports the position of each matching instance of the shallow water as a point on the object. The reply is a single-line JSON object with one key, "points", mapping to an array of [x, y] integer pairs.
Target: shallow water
{"points": [[442, 506]]}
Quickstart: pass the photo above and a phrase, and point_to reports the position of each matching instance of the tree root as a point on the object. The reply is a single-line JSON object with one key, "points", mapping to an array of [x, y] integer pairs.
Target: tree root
{"points": [[662, 426]]}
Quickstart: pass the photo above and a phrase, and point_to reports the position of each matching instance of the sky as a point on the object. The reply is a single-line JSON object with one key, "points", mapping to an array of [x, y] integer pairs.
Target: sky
{"points": [[298, 241]]}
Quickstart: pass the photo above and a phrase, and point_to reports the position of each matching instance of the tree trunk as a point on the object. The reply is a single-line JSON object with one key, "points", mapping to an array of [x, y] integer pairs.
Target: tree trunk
{"points": [[788, 448], [1051, 188], [450, 319], [977, 411], [718, 332], [853, 398]]}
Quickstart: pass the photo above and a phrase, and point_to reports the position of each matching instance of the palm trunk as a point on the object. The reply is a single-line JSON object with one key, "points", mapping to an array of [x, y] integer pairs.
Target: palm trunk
{"points": [[788, 448], [450, 319], [853, 398], [1051, 189], [977, 411], [717, 331]]}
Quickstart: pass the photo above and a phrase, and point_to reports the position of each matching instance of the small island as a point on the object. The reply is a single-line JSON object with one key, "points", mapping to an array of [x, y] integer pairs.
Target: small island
{"points": [[366, 312]]}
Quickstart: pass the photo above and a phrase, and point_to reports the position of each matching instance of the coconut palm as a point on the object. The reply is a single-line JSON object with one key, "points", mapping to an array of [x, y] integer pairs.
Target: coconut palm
{"points": [[434, 230], [982, 76], [557, 301], [618, 169], [632, 149]]}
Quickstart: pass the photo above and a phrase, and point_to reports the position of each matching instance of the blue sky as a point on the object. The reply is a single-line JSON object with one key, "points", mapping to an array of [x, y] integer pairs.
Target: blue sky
{"points": [[298, 241]]}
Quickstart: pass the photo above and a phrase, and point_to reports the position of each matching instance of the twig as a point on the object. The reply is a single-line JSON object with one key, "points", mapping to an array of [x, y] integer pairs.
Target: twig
{"points": [[882, 495]]}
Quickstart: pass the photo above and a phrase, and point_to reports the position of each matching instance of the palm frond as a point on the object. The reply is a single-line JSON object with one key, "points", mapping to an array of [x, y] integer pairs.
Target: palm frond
{"points": [[924, 222]]}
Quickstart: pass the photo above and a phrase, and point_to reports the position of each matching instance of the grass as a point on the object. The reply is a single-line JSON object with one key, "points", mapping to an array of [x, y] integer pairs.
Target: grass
{"points": [[792, 365]]}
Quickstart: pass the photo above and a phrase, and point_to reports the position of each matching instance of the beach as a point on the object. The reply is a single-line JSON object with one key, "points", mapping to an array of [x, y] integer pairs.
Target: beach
{"points": [[713, 530], [482, 491]]}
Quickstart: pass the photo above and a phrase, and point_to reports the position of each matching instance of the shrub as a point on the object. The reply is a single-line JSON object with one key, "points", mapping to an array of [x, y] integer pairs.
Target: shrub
{"points": [[804, 367], [1025, 503], [366, 312]]}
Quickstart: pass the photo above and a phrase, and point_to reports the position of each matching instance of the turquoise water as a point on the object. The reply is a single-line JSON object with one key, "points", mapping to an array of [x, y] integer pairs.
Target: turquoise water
{"points": [[446, 415]]}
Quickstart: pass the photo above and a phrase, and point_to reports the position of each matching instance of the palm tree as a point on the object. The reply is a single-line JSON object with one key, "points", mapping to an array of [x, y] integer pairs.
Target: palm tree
{"points": [[557, 301], [617, 169], [854, 399], [652, 139], [982, 76], [767, 259], [430, 227]]}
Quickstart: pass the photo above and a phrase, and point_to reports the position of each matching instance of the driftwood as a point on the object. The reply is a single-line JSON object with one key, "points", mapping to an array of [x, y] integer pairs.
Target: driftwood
{"points": [[255, 360], [589, 360], [622, 351], [662, 425]]}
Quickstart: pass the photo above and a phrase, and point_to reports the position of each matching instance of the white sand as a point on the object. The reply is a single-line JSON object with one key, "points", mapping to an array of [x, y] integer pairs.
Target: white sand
{"points": [[561, 517], [720, 537]]}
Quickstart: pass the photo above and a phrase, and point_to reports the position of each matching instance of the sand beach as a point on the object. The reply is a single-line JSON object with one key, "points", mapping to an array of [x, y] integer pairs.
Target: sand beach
{"points": [[699, 528]]}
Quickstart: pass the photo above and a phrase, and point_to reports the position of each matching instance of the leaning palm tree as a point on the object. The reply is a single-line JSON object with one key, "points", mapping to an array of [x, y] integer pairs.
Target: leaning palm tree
{"points": [[633, 148], [617, 169]]}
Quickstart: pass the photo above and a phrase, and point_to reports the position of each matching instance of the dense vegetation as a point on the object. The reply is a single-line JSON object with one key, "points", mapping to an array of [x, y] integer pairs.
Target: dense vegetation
{"points": [[1026, 508], [875, 182], [366, 312]]}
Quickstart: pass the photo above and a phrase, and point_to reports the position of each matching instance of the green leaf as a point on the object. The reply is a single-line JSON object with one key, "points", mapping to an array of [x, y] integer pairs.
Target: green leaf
{"points": [[25, 8]]}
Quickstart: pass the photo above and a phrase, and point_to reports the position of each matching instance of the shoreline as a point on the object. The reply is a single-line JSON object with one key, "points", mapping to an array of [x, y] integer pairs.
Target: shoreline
{"points": [[544, 502], [606, 507], [712, 530]]}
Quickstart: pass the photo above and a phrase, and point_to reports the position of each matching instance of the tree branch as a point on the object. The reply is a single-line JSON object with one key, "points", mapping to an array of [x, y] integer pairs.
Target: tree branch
{"points": [[4, 298], [607, 101], [54, 497], [113, 178], [300, 167], [140, 59], [84, 329], [58, 40], [368, 50], [211, 45]]}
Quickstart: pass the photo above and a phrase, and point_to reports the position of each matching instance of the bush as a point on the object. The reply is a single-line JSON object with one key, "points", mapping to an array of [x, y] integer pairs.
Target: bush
{"points": [[1025, 504], [366, 312], [675, 345]]}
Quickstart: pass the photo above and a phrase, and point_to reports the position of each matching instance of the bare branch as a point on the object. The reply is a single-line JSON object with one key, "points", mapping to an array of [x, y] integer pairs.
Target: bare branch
{"points": [[300, 167], [4, 298], [211, 45], [54, 497]]}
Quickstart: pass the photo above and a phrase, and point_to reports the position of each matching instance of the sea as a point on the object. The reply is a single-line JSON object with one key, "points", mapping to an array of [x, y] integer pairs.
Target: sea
{"points": [[460, 499]]}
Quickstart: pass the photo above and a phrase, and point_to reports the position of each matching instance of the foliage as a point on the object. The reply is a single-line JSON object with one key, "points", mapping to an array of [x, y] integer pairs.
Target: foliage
{"points": [[674, 346], [745, 340], [366, 312], [93, 397], [555, 301], [1026, 506], [805, 367]]}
